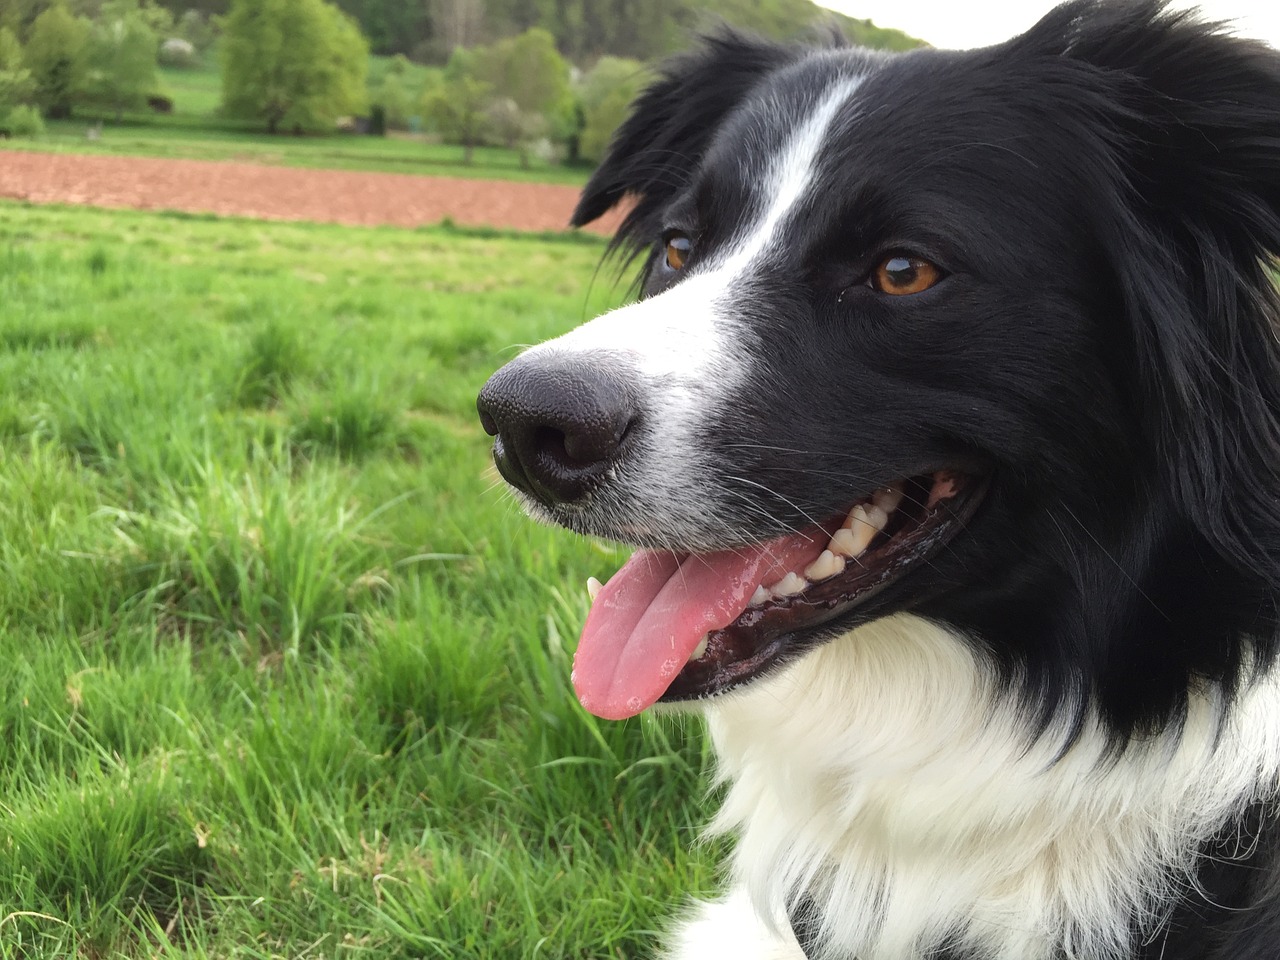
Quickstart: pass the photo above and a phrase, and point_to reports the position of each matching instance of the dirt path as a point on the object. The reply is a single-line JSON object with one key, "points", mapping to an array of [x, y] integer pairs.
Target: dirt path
{"points": [[285, 193]]}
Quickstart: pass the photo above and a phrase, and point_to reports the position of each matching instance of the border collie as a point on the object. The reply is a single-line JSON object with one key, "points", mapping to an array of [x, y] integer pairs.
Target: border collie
{"points": [[947, 428]]}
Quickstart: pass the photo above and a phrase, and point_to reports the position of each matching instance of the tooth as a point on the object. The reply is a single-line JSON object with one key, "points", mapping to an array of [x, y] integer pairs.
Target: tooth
{"points": [[760, 596], [593, 588], [857, 518], [852, 543], [877, 518], [827, 565], [789, 586], [700, 650], [888, 498]]}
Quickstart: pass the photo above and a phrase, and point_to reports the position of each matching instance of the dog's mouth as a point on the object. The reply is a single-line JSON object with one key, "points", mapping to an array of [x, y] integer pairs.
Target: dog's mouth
{"points": [[671, 626]]}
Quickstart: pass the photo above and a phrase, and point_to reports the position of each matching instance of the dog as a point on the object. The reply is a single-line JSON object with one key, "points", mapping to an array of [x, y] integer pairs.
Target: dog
{"points": [[947, 429]]}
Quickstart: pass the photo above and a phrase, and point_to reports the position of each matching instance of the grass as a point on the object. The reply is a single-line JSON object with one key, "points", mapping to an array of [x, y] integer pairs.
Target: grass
{"points": [[195, 131], [287, 672]]}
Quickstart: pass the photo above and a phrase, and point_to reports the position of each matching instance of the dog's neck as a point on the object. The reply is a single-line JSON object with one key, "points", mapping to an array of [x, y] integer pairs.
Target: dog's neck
{"points": [[887, 777]]}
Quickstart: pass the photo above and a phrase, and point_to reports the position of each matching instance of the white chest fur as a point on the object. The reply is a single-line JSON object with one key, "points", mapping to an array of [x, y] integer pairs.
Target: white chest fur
{"points": [[887, 775]]}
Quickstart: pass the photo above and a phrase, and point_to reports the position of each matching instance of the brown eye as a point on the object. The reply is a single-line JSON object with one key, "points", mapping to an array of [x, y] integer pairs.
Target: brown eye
{"points": [[901, 275], [678, 249]]}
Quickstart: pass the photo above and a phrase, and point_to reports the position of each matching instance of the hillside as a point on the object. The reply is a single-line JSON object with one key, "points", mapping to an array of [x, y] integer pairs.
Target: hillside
{"points": [[585, 30]]}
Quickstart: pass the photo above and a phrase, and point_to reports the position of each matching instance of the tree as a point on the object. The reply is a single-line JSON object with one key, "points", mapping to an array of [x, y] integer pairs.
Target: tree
{"points": [[518, 129], [16, 84], [392, 26], [457, 104], [121, 57], [606, 93], [55, 55], [529, 69], [392, 94], [458, 23], [296, 64]]}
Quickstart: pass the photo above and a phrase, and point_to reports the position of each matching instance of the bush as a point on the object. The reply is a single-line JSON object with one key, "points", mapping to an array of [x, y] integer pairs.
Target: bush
{"points": [[23, 121]]}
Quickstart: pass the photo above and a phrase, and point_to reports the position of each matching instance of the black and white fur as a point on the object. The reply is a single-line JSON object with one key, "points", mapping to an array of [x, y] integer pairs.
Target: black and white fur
{"points": [[1060, 739]]}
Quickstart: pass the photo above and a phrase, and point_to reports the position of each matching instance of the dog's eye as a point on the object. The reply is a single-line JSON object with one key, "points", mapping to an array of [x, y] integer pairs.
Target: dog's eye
{"points": [[900, 275], [679, 247]]}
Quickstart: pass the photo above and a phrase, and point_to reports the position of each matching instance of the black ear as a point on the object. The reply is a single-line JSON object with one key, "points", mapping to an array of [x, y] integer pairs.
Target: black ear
{"points": [[1192, 116], [654, 152]]}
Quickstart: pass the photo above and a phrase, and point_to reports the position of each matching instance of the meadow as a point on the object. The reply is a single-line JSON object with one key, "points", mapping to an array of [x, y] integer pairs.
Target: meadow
{"points": [[287, 671], [195, 131]]}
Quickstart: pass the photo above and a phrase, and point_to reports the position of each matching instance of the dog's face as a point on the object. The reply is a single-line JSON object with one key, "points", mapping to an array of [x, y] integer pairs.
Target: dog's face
{"points": [[897, 349]]}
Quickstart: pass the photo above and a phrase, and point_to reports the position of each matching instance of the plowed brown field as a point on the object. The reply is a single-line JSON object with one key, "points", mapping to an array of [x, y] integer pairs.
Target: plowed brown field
{"points": [[285, 193]]}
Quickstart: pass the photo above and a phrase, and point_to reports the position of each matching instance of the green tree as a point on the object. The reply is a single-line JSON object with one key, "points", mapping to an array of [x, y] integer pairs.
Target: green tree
{"points": [[17, 15], [392, 26], [121, 57], [296, 64], [16, 84], [457, 104], [529, 69], [605, 94], [392, 94], [55, 55]]}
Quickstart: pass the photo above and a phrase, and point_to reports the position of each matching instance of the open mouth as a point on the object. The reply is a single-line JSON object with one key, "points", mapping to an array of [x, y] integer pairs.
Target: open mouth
{"points": [[671, 626]]}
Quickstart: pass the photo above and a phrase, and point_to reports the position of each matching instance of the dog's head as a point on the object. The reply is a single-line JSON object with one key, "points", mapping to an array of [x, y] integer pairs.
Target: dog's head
{"points": [[1004, 317]]}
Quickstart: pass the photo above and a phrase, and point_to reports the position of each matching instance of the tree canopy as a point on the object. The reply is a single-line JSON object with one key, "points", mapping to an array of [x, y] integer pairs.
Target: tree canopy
{"points": [[55, 57], [605, 93], [294, 64], [121, 56], [584, 30], [16, 85], [457, 104]]}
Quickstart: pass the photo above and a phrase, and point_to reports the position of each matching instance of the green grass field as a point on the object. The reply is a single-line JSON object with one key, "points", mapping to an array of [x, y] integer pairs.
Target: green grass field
{"points": [[194, 131], [287, 671]]}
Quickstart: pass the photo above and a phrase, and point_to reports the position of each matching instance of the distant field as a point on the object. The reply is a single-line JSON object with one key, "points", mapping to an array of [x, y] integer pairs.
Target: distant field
{"points": [[287, 674], [195, 131]]}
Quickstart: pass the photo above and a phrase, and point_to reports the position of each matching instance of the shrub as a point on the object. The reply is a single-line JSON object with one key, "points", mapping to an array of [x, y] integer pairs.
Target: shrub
{"points": [[23, 121]]}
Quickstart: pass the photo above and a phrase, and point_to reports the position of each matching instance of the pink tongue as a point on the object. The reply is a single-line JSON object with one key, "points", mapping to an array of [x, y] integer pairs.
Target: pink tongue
{"points": [[647, 620]]}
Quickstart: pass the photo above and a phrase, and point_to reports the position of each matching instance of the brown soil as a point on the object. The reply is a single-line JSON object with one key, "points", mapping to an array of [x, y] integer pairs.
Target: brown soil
{"points": [[285, 193]]}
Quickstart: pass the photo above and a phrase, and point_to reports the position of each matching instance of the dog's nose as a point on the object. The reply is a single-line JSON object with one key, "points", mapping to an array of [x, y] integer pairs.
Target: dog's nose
{"points": [[559, 423]]}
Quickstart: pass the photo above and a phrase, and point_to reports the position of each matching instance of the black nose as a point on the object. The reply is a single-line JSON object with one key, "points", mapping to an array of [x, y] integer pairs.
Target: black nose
{"points": [[559, 423]]}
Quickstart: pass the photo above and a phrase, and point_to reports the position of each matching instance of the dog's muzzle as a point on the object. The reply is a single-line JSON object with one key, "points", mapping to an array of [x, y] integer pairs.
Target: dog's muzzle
{"points": [[559, 422]]}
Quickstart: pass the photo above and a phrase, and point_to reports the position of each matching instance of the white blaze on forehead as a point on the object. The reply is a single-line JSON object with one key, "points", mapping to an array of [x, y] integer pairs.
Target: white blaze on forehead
{"points": [[790, 177], [682, 332]]}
